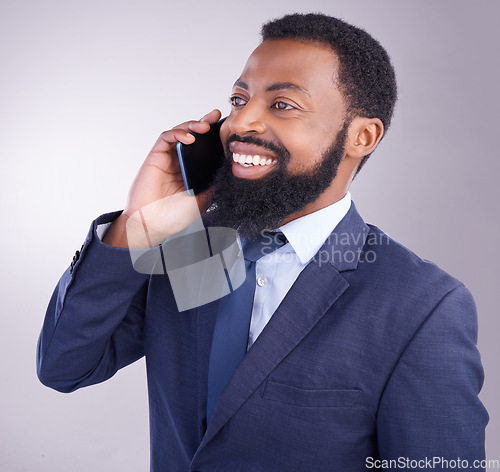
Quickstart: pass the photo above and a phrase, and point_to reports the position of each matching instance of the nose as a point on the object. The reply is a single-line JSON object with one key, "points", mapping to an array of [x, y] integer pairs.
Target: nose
{"points": [[248, 120]]}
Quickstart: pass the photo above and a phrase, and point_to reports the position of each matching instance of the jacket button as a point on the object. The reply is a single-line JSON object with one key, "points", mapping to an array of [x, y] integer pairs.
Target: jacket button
{"points": [[74, 261]]}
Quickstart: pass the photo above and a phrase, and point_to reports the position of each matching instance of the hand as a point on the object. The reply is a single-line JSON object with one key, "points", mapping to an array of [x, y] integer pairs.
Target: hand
{"points": [[158, 192]]}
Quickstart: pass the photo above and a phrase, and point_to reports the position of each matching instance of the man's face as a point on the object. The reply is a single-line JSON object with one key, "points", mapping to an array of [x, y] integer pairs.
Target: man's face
{"points": [[281, 135], [285, 95]]}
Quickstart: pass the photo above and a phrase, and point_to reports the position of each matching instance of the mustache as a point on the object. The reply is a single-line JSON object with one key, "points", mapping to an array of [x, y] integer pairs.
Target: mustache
{"points": [[276, 148]]}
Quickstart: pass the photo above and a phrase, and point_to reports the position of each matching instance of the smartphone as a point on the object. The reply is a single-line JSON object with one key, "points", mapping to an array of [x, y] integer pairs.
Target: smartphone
{"points": [[200, 160]]}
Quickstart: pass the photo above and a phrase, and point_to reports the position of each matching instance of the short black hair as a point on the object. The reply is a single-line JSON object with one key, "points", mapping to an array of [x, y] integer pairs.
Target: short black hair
{"points": [[366, 76]]}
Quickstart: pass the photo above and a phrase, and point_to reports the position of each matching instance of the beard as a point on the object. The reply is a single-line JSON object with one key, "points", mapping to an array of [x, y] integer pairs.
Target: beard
{"points": [[255, 205]]}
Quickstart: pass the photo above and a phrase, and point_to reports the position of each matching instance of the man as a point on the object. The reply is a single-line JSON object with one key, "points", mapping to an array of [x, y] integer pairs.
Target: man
{"points": [[360, 354]]}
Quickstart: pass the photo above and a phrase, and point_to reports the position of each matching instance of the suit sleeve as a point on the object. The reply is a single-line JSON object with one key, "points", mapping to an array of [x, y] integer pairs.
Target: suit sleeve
{"points": [[430, 408], [95, 319]]}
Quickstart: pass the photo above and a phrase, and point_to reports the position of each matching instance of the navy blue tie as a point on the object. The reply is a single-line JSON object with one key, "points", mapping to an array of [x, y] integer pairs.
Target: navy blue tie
{"points": [[229, 342]]}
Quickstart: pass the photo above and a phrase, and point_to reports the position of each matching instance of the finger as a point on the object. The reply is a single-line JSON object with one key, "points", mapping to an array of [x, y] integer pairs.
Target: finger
{"points": [[182, 132], [170, 138], [195, 126], [200, 126], [175, 135], [212, 117]]}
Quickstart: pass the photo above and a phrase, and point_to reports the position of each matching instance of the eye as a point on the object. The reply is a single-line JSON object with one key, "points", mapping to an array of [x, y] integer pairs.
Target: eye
{"points": [[237, 101], [279, 105]]}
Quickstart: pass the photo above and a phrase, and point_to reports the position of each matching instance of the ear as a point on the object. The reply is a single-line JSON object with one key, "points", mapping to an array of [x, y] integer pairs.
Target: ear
{"points": [[363, 136]]}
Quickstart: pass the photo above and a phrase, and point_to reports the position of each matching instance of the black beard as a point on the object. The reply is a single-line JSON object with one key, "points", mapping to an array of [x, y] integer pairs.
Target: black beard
{"points": [[252, 206]]}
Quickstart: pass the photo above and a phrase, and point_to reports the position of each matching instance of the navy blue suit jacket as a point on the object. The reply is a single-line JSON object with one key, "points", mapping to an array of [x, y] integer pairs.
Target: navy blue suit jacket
{"points": [[371, 355]]}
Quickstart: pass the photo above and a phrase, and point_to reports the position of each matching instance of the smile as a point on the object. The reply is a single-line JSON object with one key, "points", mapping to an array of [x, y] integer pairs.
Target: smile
{"points": [[249, 160]]}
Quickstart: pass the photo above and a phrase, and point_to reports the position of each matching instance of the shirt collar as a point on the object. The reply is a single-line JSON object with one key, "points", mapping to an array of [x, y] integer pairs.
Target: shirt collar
{"points": [[307, 234]]}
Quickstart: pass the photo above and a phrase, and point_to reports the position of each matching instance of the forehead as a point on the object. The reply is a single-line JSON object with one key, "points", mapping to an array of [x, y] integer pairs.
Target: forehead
{"points": [[309, 65]]}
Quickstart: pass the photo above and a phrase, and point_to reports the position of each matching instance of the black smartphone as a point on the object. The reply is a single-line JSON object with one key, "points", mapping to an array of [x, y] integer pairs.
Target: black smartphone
{"points": [[201, 159]]}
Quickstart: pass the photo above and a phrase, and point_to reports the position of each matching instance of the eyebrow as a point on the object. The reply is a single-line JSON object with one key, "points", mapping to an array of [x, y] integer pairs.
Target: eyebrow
{"points": [[276, 87]]}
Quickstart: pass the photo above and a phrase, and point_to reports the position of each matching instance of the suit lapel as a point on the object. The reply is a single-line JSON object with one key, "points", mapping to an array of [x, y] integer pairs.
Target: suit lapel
{"points": [[301, 309], [206, 316]]}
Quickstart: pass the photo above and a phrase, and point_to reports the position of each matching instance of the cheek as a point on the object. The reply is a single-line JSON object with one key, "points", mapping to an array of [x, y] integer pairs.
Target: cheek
{"points": [[306, 149], [224, 132], [314, 140]]}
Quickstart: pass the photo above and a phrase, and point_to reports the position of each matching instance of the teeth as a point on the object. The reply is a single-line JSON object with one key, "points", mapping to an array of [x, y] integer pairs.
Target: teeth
{"points": [[248, 160]]}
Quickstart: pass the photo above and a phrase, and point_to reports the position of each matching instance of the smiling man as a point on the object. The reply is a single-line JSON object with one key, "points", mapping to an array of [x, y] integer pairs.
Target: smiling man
{"points": [[356, 353]]}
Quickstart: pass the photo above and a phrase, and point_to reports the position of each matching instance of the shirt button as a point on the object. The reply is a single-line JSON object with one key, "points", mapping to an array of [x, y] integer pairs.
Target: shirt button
{"points": [[261, 281]]}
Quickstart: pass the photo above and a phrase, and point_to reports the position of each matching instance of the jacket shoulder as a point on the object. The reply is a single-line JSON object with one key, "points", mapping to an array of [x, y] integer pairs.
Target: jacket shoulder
{"points": [[394, 268]]}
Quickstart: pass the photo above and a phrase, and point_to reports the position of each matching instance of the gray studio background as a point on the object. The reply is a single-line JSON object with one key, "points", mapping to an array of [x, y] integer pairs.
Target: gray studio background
{"points": [[85, 89]]}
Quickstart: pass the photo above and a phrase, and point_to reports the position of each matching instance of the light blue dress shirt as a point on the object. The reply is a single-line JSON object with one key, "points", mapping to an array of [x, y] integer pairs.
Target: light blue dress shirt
{"points": [[276, 272]]}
